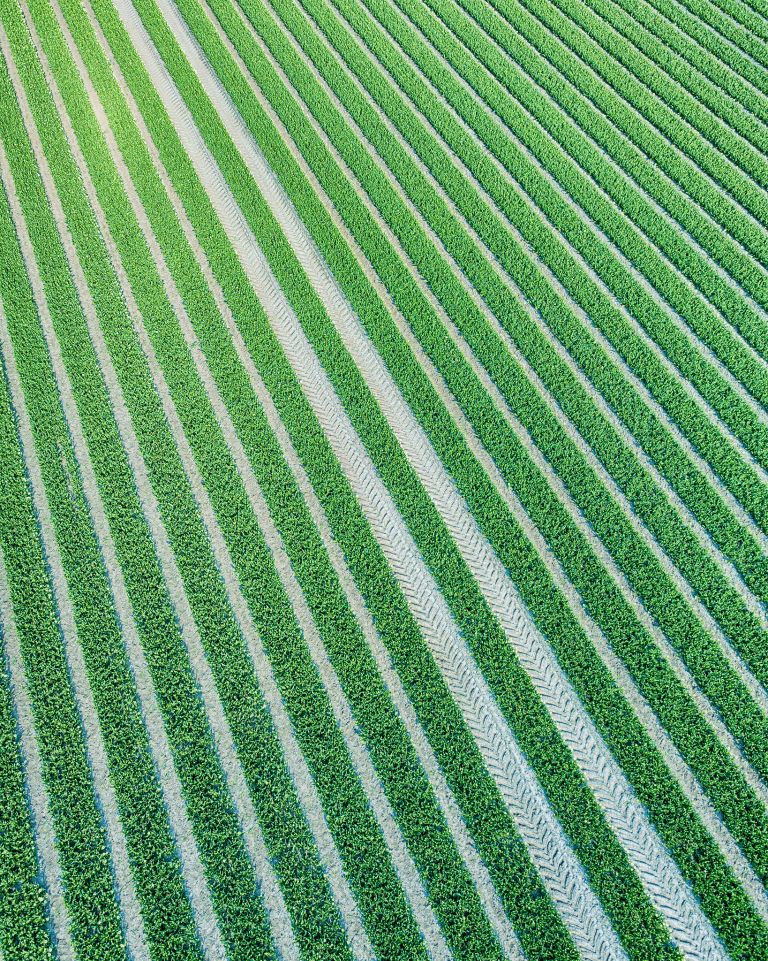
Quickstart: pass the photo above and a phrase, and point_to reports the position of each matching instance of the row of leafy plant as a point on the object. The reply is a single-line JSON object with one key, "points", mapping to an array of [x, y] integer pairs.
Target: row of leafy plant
{"points": [[554, 40], [24, 934], [361, 847], [166, 911], [663, 529]]}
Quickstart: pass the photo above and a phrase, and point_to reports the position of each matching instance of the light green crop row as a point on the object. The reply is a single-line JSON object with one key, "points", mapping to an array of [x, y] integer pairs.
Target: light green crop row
{"points": [[359, 840], [154, 862], [590, 158], [663, 521], [747, 159], [95, 923], [23, 921], [404, 781], [675, 344], [291, 286], [700, 73], [581, 815], [562, 51]]}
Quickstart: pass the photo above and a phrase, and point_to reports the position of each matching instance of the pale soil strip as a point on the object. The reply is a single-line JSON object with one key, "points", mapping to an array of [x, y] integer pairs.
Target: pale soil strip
{"points": [[599, 548], [702, 465], [479, 873], [728, 569], [342, 893], [130, 910], [706, 353], [621, 676], [373, 788], [192, 868], [334, 303], [560, 870], [37, 793]]}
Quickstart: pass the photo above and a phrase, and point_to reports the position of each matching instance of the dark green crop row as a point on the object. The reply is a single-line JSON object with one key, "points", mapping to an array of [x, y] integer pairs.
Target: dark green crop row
{"points": [[555, 118], [747, 158], [711, 40], [697, 70], [517, 882], [321, 343], [82, 849], [632, 913], [365, 304], [721, 520], [652, 435], [719, 159], [167, 915], [24, 934], [656, 322], [742, 26], [562, 52], [634, 558]]}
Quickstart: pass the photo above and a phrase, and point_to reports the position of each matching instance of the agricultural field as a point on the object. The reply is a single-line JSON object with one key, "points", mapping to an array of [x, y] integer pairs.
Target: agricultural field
{"points": [[383, 480]]}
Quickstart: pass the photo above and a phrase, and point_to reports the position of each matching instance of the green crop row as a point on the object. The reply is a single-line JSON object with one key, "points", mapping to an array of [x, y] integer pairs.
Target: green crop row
{"points": [[641, 569], [720, 159], [390, 747], [94, 918], [309, 893], [209, 805], [153, 860], [671, 524], [273, 616], [700, 73], [555, 118], [742, 26], [354, 284], [291, 286], [677, 347], [562, 52], [632, 913], [23, 921]]}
